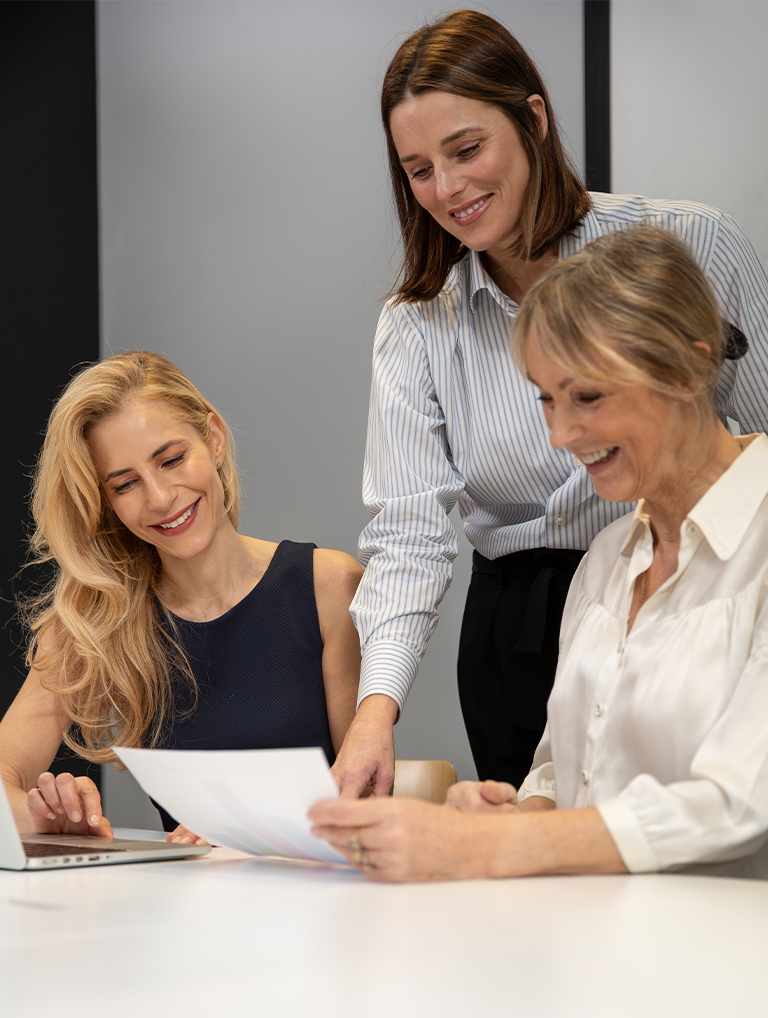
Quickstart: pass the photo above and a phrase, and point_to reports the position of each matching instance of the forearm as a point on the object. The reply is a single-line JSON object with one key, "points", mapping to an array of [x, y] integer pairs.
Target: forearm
{"points": [[336, 578], [408, 840], [377, 712], [30, 733], [21, 764], [17, 797], [546, 841]]}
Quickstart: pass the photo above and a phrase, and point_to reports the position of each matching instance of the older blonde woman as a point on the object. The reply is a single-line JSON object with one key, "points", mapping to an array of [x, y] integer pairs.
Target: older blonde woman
{"points": [[487, 201], [655, 754], [164, 626]]}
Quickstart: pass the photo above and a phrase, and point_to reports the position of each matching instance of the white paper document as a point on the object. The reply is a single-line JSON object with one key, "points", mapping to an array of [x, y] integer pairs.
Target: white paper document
{"points": [[254, 800]]}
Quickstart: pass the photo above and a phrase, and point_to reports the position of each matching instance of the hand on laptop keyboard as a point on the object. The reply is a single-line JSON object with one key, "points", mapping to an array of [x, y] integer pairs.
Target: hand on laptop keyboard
{"points": [[182, 836], [67, 805]]}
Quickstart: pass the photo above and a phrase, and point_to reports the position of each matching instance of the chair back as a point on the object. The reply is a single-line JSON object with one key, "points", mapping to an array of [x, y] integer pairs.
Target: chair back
{"points": [[424, 779]]}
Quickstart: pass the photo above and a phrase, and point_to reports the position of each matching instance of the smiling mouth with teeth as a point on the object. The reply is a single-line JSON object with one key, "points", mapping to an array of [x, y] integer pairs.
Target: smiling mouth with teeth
{"points": [[179, 520], [470, 210], [590, 458]]}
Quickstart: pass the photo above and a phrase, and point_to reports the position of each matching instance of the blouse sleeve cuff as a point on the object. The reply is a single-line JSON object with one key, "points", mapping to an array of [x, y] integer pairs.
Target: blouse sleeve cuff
{"points": [[629, 837], [540, 781], [388, 668]]}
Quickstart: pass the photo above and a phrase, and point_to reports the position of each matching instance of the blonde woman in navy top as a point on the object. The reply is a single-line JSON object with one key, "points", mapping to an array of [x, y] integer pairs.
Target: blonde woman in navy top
{"points": [[164, 626]]}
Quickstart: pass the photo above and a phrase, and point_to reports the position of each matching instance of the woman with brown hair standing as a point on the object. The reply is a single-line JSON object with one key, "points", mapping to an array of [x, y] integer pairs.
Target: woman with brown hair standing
{"points": [[487, 201]]}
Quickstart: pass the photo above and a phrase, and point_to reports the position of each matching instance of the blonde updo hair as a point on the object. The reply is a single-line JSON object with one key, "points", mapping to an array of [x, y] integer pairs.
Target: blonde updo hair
{"points": [[104, 634], [629, 307]]}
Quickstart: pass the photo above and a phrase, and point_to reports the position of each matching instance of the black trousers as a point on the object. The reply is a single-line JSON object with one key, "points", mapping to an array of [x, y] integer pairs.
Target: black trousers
{"points": [[508, 655]]}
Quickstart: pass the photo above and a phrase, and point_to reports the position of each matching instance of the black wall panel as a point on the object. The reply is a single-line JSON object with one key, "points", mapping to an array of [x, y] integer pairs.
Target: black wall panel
{"points": [[597, 94], [49, 308]]}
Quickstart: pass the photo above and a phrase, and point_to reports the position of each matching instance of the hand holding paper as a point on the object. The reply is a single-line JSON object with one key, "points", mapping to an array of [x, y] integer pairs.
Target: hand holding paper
{"points": [[254, 800]]}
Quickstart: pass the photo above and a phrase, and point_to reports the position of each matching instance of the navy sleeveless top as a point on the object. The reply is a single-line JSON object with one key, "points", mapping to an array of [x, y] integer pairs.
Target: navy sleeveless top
{"points": [[258, 668]]}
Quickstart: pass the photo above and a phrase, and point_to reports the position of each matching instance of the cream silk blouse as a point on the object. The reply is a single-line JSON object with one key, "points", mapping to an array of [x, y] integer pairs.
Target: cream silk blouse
{"points": [[665, 731]]}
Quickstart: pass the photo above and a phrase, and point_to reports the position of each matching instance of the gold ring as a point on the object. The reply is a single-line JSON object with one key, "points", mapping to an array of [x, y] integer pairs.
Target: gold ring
{"points": [[356, 847], [361, 856]]}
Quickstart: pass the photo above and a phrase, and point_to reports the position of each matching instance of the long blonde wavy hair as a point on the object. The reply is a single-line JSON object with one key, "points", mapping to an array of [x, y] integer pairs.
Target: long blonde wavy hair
{"points": [[99, 627]]}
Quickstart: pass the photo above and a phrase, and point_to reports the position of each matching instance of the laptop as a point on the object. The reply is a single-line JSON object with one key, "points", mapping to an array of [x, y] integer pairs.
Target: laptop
{"points": [[54, 851]]}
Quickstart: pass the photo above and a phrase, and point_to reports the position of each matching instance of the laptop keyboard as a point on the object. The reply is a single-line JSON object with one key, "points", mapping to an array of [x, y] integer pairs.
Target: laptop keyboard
{"points": [[35, 849]]}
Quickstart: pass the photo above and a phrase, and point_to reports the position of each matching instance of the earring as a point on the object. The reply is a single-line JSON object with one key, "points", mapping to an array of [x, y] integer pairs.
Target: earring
{"points": [[218, 466]]}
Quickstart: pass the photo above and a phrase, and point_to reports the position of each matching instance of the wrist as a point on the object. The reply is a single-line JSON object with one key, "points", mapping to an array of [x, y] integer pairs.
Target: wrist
{"points": [[378, 708], [536, 803], [501, 846]]}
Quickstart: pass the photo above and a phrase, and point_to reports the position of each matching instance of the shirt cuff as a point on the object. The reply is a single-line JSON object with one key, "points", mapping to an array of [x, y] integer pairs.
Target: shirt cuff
{"points": [[624, 827], [540, 781], [387, 667]]}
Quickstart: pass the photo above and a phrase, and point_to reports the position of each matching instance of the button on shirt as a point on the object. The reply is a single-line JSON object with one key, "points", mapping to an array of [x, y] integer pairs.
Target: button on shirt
{"points": [[452, 421], [665, 730]]}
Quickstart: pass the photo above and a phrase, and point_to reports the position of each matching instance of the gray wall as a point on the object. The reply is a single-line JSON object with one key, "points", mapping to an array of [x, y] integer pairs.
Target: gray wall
{"points": [[689, 83], [246, 232]]}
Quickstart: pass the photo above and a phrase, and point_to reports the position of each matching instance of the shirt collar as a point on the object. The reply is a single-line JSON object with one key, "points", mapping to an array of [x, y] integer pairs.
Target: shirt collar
{"points": [[638, 529], [480, 280], [726, 510], [589, 228]]}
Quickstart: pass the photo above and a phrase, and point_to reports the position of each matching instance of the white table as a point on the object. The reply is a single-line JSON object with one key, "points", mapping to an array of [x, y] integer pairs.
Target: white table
{"points": [[227, 935]]}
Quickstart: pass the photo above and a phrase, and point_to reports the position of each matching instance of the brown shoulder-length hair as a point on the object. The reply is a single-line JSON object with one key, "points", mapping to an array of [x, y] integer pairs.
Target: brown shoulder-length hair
{"points": [[98, 629], [469, 54]]}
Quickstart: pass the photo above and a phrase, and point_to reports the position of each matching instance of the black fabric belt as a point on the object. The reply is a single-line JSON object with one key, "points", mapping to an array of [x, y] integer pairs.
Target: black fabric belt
{"points": [[540, 565]]}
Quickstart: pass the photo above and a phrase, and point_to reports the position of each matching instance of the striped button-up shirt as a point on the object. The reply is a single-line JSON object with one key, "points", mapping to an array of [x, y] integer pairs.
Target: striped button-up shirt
{"points": [[452, 420]]}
